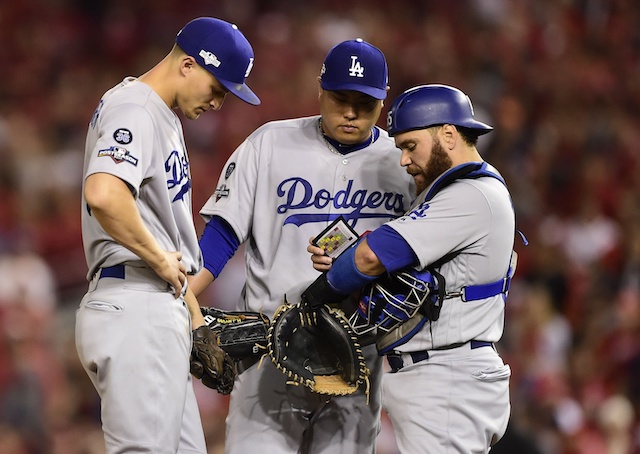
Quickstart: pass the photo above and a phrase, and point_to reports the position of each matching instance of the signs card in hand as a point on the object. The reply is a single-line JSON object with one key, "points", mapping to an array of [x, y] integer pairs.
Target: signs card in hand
{"points": [[336, 238]]}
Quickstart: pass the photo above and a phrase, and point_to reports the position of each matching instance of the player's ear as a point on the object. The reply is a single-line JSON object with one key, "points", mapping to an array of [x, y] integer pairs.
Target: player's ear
{"points": [[449, 135], [187, 64], [319, 86]]}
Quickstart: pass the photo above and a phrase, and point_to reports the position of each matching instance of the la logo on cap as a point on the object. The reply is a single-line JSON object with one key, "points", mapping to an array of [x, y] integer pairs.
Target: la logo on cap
{"points": [[355, 65], [246, 74], [356, 69]]}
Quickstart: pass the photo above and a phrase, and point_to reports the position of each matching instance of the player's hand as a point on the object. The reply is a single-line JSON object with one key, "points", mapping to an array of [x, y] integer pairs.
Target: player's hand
{"points": [[172, 270], [321, 261]]}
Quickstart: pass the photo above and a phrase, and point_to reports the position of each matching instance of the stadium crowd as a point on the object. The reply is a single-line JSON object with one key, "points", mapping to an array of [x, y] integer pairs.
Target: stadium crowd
{"points": [[558, 79]]}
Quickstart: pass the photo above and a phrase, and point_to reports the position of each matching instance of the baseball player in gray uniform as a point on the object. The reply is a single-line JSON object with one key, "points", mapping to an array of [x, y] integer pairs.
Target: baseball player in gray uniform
{"points": [[288, 181], [133, 326], [449, 389]]}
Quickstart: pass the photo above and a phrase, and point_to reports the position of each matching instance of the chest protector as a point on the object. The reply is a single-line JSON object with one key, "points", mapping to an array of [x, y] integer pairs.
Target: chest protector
{"points": [[398, 304]]}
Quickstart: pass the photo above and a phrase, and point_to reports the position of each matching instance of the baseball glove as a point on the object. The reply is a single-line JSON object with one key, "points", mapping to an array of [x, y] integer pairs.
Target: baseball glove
{"points": [[317, 348], [210, 363], [240, 334], [226, 338]]}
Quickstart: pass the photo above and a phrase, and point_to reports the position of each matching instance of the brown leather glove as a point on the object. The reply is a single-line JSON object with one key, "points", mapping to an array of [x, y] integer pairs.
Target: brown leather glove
{"points": [[210, 363]]}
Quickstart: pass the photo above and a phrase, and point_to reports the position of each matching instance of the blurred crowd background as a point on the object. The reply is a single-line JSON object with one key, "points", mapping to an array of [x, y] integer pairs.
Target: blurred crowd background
{"points": [[558, 79]]}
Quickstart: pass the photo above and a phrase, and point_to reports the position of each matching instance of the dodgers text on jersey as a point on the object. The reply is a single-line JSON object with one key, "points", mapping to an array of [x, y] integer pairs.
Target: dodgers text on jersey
{"points": [[298, 194], [177, 168]]}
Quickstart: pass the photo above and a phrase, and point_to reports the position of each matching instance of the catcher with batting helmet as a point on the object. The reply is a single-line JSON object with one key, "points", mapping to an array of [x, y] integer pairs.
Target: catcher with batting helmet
{"points": [[434, 281]]}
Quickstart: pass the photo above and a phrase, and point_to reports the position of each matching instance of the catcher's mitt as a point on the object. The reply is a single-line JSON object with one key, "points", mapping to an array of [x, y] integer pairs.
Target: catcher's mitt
{"points": [[317, 348]]}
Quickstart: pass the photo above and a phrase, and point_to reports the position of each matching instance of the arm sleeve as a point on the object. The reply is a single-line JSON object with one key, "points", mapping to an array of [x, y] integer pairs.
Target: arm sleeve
{"points": [[218, 244], [344, 276], [391, 249]]}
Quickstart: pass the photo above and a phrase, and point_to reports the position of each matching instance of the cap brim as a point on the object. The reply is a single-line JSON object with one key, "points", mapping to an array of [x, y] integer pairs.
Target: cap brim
{"points": [[242, 91], [371, 91]]}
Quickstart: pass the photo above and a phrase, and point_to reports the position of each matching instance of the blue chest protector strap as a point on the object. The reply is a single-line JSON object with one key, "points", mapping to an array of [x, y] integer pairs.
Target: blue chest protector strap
{"points": [[482, 291]]}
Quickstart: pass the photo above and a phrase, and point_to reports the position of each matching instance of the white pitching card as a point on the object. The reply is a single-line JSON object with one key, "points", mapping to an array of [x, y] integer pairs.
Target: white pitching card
{"points": [[336, 238]]}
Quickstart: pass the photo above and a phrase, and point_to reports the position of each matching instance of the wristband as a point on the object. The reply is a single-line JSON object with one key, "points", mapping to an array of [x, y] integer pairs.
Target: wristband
{"points": [[344, 276]]}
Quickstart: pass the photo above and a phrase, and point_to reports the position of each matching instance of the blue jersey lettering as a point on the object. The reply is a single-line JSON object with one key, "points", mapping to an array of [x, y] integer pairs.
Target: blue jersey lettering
{"points": [[177, 168], [298, 194]]}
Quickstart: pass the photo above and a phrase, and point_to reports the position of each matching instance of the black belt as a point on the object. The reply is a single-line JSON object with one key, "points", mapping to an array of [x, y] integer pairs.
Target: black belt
{"points": [[115, 271], [396, 362]]}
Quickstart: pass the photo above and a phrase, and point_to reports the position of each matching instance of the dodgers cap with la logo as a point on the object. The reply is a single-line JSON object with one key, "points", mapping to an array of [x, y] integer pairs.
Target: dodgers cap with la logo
{"points": [[356, 65], [222, 49]]}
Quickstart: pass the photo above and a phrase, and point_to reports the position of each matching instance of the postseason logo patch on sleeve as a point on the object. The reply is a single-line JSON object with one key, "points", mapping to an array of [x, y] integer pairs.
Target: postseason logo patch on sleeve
{"points": [[221, 191], [118, 154]]}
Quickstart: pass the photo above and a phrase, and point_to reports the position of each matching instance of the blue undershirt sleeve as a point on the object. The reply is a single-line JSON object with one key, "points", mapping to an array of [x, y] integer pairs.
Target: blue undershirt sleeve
{"points": [[218, 244], [344, 276], [392, 250]]}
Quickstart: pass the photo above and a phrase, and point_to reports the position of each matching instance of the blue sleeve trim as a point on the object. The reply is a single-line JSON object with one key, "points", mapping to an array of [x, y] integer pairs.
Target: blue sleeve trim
{"points": [[344, 276], [218, 244], [392, 250]]}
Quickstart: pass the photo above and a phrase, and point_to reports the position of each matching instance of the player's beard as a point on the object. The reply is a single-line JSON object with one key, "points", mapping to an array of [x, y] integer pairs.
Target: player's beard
{"points": [[439, 163]]}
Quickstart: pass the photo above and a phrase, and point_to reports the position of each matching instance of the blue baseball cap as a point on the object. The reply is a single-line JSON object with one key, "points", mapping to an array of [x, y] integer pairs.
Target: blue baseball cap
{"points": [[356, 65], [221, 49]]}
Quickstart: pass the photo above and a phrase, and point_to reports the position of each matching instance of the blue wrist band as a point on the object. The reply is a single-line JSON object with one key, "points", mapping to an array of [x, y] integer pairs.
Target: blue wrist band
{"points": [[344, 275]]}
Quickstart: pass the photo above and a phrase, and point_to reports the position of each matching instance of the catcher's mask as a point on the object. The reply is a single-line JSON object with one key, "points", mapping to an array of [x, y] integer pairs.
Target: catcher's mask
{"points": [[395, 298]]}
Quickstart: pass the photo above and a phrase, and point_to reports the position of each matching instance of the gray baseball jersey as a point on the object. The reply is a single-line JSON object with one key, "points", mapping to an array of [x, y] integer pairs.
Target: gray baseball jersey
{"points": [[474, 216], [451, 366], [136, 137], [285, 184], [130, 320]]}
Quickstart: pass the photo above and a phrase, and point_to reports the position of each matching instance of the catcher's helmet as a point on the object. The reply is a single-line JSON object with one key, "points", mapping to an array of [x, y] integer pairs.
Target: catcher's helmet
{"points": [[393, 299], [430, 105]]}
